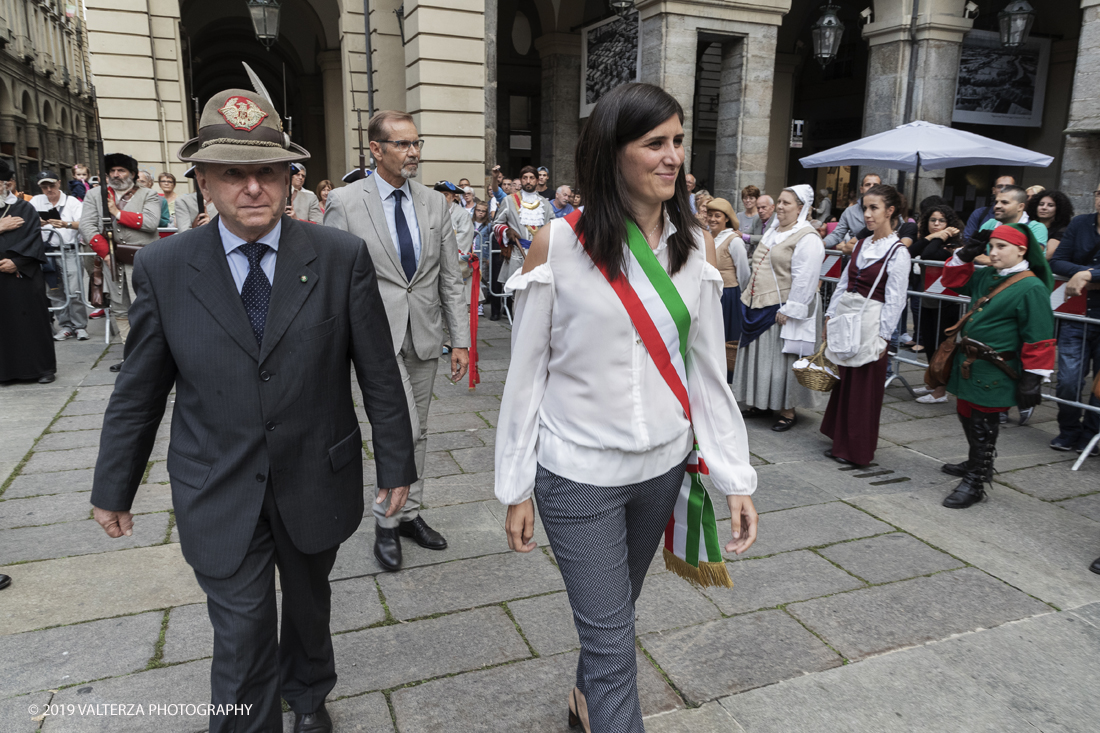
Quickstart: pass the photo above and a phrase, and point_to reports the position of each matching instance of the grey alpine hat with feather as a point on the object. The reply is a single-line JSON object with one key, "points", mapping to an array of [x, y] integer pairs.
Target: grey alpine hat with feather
{"points": [[238, 126]]}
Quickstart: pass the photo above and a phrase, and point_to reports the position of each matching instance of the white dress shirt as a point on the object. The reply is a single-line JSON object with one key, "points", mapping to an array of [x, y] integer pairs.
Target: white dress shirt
{"points": [[238, 262], [385, 190], [896, 276], [583, 397], [70, 208]]}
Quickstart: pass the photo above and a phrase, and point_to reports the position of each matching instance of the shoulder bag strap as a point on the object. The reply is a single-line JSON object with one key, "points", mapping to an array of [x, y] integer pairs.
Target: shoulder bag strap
{"points": [[986, 298]]}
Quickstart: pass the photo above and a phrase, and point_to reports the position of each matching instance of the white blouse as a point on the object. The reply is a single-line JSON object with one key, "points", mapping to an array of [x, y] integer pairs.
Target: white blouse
{"points": [[897, 281], [583, 397]]}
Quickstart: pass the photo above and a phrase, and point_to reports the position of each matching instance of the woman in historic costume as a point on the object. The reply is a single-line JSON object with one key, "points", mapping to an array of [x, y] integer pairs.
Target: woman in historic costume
{"points": [[1006, 346], [26, 339], [873, 290], [616, 386], [781, 312], [733, 264]]}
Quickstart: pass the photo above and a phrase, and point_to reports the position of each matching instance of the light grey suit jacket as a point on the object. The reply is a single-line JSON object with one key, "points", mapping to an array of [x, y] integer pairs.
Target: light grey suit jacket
{"points": [[307, 206], [435, 291], [187, 210]]}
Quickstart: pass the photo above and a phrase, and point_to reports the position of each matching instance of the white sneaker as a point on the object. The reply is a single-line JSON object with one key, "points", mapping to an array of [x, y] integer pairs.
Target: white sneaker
{"points": [[81, 334], [63, 335], [930, 399], [481, 310], [922, 390]]}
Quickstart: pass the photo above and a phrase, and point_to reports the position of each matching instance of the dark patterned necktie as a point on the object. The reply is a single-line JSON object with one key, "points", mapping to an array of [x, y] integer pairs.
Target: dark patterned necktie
{"points": [[256, 291], [404, 237]]}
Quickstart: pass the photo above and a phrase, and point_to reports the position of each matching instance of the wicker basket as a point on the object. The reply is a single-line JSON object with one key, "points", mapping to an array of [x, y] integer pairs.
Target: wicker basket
{"points": [[731, 355], [819, 374]]}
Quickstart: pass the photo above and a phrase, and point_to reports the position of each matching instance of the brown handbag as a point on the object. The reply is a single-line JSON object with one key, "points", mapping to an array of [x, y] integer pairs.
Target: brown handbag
{"points": [[939, 366], [125, 253], [95, 284]]}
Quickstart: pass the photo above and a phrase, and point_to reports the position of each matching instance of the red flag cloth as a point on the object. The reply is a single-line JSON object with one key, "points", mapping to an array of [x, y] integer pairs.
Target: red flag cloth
{"points": [[475, 299]]}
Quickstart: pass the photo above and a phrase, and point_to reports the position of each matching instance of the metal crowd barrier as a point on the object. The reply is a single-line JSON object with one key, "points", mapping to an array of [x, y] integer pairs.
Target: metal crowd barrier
{"points": [[897, 358], [487, 273]]}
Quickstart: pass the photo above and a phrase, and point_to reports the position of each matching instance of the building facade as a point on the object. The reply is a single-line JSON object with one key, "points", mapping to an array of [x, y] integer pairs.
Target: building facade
{"points": [[47, 119], [502, 81]]}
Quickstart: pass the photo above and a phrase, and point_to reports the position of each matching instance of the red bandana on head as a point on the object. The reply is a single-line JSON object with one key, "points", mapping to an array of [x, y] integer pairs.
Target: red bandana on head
{"points": [[1012, 235], [242, 113]]}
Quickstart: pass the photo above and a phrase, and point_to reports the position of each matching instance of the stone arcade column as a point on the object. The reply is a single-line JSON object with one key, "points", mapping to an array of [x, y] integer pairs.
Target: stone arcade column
{"points": [[670, 41], [561, 100], [939, 32], [332, 83], [1081, 156]]}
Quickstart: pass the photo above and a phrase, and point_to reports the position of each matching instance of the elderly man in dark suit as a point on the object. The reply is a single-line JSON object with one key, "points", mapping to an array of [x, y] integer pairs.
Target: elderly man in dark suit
{"points": [[255, 319]]}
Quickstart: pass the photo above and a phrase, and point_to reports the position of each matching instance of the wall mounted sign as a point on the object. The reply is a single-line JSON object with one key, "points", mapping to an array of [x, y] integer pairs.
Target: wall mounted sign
{"points": [[610, 56], [1001, 86]]}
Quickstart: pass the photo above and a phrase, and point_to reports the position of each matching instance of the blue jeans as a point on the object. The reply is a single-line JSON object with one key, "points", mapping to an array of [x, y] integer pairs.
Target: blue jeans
{"points": [[1078, 356]]}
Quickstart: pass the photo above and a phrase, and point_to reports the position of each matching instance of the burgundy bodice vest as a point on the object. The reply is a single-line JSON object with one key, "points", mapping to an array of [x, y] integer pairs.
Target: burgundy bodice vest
{"points": [[860, 281]]}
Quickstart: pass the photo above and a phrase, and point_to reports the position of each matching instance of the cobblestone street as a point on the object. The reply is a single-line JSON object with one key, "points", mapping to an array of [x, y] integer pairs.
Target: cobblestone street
{"points": [[863, 606]]}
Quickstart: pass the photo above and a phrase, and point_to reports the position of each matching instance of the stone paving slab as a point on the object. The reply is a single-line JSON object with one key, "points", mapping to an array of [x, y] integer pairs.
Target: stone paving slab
{"points": [[388, 656], [474, 460], [363, 714], [803, 442], [151, 498], [454, 441], [463, 489], [708, 718], [452, 422], [1052, 482], [889, 557], [78, 538], [530, 696], [184, 683], [888, 416], [190, 635], [903, 692], [1016, 449], [86, 587], [83, 422], [67, 441], [44, 510], [67, 655], [15, 712], [888, 617], [895, 469], [779, 487], [930, 428], [1033, 545], [97, 392], [440, 463], [62, 460], [729, 655], [85, 407], [447, 404], [461, 584], [1086, 506], [547, 623], [809, 526], [771, 581], [909, 406], [471, 530], [50, 483]]}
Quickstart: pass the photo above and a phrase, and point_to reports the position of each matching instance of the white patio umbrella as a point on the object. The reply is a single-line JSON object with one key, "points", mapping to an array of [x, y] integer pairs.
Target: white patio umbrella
{"points": [[923, 144]]}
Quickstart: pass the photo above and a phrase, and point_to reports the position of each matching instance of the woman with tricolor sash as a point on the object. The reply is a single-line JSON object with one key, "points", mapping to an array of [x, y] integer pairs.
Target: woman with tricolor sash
{"points": [[616, 400]]}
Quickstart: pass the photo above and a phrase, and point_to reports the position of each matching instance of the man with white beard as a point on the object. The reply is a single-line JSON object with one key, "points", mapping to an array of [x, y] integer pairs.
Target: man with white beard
{"points": [[132, 214]]}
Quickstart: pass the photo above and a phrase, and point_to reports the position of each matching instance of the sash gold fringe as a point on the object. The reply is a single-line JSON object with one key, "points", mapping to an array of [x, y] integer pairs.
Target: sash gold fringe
{"points": [[706, 575]]}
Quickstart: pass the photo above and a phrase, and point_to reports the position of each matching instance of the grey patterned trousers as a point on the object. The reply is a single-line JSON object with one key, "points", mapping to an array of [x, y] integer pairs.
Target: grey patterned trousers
{"points": [[604, 538]]}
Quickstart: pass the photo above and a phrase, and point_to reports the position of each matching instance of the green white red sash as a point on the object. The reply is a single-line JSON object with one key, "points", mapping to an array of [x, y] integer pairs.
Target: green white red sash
{"points": [[662, 321]]}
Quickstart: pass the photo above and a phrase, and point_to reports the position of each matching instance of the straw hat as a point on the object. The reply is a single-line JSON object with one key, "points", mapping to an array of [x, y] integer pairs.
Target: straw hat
{"points": [[724, 206], [238, 126]]}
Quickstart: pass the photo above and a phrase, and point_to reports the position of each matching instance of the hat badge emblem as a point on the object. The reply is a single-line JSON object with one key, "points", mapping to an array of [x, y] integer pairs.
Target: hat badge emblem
{"points": [[242, 113]]}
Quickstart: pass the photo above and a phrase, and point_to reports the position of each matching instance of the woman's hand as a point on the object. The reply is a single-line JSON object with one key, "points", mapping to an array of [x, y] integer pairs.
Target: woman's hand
{"points": [[951, 232], [7, 267], [10, 223], [520, 526], [743, 523], [781, 319]]}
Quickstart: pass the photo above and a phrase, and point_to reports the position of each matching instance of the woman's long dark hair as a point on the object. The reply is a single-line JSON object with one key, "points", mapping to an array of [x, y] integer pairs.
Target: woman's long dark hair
{"points": [[948, 213], [1063, 208], [624, 114]]}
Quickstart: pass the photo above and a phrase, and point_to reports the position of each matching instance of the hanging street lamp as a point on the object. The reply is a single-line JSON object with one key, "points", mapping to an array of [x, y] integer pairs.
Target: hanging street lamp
{"points": [[1016, 21], [827, 33], [265, 20], [622, 8]]}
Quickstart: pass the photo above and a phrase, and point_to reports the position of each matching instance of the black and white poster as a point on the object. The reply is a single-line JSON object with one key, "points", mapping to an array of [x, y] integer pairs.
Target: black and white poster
{"points": [[609, 57], [1001, 86]]}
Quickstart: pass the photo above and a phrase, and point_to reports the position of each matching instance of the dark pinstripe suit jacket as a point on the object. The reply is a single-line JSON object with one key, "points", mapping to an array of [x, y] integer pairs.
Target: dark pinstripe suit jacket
{"points": [[246, 413]]}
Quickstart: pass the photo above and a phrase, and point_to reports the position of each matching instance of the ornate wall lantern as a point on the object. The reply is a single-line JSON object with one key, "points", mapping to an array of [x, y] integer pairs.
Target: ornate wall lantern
{"points": [[1016, 21], [827, 33], [265, 20], [622, 8]]}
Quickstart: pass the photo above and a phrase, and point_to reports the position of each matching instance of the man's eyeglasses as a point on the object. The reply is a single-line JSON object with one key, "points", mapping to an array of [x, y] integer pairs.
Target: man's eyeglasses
{"points": [[404, 145]]}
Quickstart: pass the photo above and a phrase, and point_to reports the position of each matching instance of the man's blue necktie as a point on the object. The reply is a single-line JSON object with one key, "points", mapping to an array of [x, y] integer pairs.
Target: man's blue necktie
{"points": [[404, 237], [256, 291]]}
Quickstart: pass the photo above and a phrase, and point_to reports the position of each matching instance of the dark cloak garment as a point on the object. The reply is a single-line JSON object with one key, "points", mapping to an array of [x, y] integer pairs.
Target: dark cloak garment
{"points": [[26, 339]]}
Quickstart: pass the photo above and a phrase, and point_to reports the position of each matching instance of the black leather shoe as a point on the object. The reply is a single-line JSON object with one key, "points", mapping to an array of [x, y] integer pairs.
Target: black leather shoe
{"points": [[1095, 567], [422, 534], [783, 424], [46, 378], [315, 722], [387, 547], [838, 459], [494, 316], [5, 580], [116, 368]]}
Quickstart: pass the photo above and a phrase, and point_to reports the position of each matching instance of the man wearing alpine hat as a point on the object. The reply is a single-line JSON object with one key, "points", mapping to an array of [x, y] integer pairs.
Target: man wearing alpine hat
{"points": [[255, 320]]}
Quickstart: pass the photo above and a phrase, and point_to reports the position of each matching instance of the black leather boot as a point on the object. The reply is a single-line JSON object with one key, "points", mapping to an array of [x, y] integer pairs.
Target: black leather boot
{"points": [[984, 428], [387, 547], [960, 469]]}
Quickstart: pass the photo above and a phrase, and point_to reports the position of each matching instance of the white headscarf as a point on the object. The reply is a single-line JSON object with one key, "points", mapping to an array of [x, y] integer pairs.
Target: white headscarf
{"points": [[805, 195]]}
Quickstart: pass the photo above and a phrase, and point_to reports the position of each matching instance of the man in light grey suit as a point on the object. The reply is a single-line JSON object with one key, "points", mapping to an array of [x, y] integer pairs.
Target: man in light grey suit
{"points": [[306, 206], [408, 230]]}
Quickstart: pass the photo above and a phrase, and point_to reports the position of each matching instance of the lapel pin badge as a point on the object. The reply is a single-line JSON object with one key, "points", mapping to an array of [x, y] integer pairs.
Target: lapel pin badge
{"points": [[303, 278]]}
